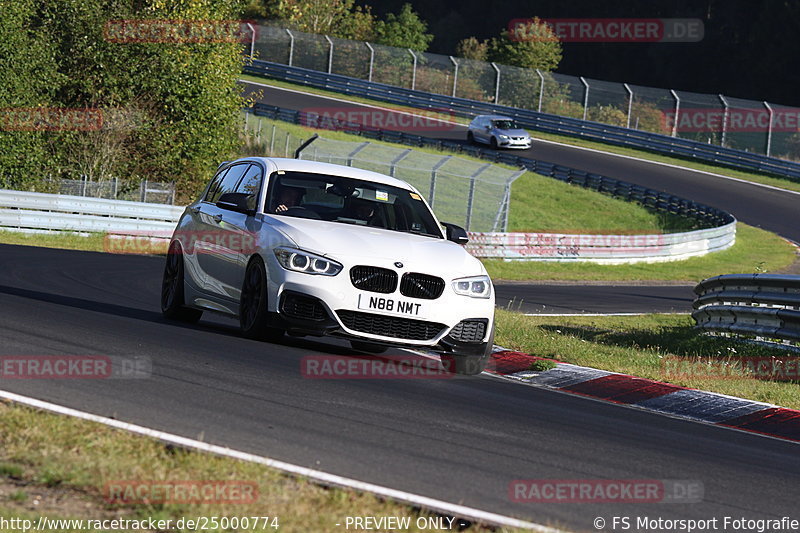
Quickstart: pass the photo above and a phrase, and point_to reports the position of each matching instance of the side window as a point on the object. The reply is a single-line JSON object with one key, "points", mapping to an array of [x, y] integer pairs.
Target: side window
{"points": [[227, 183], [250, 185], [215, 183]]}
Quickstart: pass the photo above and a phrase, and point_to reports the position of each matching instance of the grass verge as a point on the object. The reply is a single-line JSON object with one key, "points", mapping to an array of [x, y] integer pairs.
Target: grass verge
{"points": [[755, 177], [59, 467], [756, 250], [646, 346]]}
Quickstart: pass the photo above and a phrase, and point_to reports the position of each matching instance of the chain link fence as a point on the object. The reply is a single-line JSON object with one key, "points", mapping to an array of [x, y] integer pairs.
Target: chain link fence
{"points": [[473, 194], [749, 125]]}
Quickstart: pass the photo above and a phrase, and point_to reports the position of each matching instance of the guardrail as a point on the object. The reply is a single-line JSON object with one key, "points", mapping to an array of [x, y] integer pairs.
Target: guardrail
{"points": [[535, 120], [765, 306], [34, 211], [607, 249]]}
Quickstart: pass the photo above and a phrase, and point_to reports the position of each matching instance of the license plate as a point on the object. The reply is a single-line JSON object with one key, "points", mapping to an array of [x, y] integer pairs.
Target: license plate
{"points": [[392, 306]]}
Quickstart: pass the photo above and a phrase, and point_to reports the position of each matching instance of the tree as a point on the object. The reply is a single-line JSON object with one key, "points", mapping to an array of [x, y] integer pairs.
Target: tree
{"points": [[472, 48], [404, 30], [338, 18], [183, 94], [530, 45]]}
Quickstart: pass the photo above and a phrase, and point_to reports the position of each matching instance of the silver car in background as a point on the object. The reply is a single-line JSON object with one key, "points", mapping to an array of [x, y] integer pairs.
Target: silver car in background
{"points": [[498, 132]]}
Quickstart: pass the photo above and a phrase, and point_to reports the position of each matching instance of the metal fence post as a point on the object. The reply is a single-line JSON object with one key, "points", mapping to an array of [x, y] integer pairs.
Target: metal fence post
{"points": [[352, 154], [435, 168], [496, 84], [677, 112], [330, 53], [471, 197], [252, 39], [455, 75], [769, 128], [585, 96], [371, 60], [630, 104], [286, 146], [724, 119], [414, 71], [397, 159], [271, 140], [541, 88], [291, 46]]}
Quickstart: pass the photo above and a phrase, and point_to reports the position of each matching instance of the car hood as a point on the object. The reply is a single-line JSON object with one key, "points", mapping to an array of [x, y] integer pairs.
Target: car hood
{"points": [[513, 133], [351, 245]]}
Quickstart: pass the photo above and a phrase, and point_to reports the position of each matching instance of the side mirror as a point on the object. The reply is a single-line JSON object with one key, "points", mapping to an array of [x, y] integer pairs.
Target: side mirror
{"points": [[235, 201], [455, 233], [488, 128]]}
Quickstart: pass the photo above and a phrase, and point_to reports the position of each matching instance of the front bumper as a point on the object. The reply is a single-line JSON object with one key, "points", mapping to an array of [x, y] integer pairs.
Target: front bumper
{"points": [[452, 323], [520, 144]]}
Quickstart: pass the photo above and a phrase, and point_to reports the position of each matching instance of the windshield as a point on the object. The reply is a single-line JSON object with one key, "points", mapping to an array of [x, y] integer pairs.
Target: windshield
{"points": [[504, 124], [349, 201]]}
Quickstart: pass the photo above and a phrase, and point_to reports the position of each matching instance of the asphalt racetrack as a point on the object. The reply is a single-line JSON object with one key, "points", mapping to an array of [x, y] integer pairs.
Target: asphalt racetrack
{"points": [[462, 440]]}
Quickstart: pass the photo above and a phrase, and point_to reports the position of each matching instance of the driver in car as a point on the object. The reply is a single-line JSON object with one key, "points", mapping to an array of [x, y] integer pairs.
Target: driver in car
{"points": [[288, 197]]}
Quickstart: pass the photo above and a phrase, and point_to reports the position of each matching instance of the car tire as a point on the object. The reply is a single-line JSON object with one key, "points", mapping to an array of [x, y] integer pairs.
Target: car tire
{"points": [[470, 138], [493, 143], [368, 347], [468, 365], [254, 319], [173, 306]]}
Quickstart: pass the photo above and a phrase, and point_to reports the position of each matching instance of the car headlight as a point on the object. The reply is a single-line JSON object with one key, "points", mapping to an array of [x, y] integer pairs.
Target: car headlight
{"points": [[475, 287], [306, 262], [504, 137]]}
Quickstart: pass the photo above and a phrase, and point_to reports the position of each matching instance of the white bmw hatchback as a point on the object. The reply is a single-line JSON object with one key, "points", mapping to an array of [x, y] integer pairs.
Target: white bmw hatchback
{"points": [[308, 248]]}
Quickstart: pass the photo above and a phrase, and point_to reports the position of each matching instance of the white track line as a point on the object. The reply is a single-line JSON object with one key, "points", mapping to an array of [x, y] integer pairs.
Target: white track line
{"points": [[439, 506], [601, 314], [567, 145]]}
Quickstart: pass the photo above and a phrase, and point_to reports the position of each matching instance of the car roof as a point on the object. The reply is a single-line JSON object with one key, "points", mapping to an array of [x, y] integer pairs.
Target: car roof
{"points": [[494, 117], [300, 165]]}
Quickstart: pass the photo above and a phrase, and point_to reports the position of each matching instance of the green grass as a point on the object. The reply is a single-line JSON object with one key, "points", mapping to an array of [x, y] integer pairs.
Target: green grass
{"points": [[93, 242], [643, 346], [542, 204], [755, 250], [80, 458], [755, 177]]}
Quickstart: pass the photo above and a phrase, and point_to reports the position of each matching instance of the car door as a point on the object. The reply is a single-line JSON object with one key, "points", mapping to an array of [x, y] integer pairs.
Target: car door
{"points": [[190, 231], [241, 231], [213, 235], [484, 130]]}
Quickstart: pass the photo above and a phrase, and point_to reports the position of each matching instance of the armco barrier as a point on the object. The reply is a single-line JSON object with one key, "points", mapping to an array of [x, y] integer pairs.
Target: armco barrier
{"points": [[608, 249], [40, 212], [753, 305], [615, 135], [33, 211]]}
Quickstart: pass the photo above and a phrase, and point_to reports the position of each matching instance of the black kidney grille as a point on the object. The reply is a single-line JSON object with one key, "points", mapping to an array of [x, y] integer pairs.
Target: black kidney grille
{"points": [[373, 279], [389, 326], [416, 285], [469, 330], [297, 306]]}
